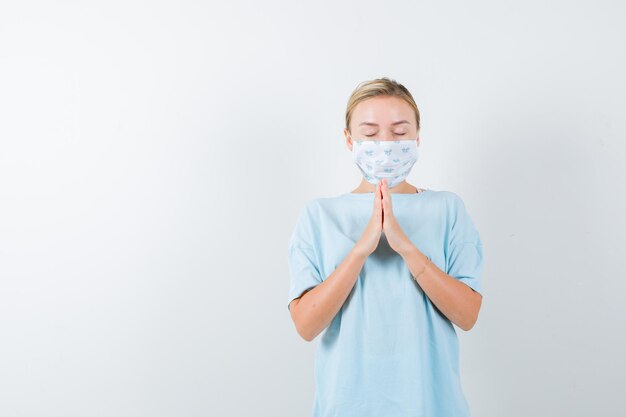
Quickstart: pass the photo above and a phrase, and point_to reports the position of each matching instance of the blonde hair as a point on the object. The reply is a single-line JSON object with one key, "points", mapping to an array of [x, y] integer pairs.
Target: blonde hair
{"points": [[379, 87]]}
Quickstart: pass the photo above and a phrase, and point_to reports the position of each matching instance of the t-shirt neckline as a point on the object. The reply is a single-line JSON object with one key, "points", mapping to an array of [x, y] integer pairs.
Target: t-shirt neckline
{"points": [[394, 195]]}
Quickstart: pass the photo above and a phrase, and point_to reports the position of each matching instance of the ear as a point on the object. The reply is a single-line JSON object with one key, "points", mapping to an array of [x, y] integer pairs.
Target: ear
{"points": [[348, 137]]}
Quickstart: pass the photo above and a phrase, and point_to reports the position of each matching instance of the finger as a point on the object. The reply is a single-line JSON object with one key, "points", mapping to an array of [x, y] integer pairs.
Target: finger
{"points": [[381, 199], [379, 192], [386, 196], [377, 199]]}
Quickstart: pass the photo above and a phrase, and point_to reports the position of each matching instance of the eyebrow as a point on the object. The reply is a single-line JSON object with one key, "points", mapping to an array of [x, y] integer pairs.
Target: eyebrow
{"points": [[375, 124]]}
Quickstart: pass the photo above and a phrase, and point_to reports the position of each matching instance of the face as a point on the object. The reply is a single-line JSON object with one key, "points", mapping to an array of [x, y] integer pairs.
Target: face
{"points": [[382, 118]]}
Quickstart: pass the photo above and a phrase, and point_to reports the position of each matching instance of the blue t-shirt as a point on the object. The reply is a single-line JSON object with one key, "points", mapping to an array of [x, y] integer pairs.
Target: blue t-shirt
{"points": [[389, 351]]}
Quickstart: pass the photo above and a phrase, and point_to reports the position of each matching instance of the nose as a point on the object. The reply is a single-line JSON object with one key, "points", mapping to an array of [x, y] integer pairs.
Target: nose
{"points": [[387, 136]]}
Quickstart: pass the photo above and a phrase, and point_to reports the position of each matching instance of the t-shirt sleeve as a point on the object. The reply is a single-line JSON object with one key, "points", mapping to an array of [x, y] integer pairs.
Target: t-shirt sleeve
{"points": [[304, 272], [464, 248]]}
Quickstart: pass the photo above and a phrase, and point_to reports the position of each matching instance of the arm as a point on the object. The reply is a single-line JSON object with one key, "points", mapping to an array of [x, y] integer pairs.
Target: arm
{"points": [[455, 299], [313, 311]]}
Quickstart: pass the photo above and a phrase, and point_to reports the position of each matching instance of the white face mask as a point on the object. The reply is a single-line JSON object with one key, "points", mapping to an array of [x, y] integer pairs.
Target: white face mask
{"points": [[391, 159]]}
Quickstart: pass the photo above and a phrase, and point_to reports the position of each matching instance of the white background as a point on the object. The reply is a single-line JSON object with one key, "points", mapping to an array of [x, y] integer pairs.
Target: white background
{"points": [[154, 156]]}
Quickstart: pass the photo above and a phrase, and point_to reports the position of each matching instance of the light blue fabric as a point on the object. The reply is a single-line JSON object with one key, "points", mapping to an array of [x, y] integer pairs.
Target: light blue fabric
{"points": [[389, 351]]}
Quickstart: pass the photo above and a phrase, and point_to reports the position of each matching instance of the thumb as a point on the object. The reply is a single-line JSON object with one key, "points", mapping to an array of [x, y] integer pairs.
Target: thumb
{"points": [[378, 203]]}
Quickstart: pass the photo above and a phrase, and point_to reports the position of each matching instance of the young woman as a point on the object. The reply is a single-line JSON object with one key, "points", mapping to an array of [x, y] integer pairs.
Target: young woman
{"points": [[383, 272]]}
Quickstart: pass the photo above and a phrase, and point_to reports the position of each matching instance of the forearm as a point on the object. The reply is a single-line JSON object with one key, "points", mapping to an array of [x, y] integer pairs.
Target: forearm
{"points": [[456, 300], [314, 310]]}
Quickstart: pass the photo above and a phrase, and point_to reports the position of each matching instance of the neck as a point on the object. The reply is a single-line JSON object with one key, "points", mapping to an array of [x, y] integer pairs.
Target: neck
{"points": [[402, 188]]}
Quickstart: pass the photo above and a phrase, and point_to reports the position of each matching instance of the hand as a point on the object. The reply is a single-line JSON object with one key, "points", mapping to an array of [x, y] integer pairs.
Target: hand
{"points": [[371, 235], [397, 239]]}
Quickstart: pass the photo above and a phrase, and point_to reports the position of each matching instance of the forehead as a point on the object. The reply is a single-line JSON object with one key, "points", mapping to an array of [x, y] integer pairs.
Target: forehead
{"points": [[382, 110]]}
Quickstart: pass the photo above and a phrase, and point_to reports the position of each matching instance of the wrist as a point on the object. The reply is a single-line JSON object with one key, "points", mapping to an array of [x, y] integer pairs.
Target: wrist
{"points": [[412, 251], [359, 253], [409, 250]]}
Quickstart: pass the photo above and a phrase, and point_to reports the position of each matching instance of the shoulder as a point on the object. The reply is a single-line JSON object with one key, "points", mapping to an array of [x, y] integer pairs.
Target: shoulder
{"points": [[310, 206], [447, 198], [304, 230], [320, 205], [310, 218], [450, 203], [311, 210]]}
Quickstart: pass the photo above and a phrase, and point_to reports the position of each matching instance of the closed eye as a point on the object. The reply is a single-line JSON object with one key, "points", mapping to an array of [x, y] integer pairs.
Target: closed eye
{"points": [[399, 134]]}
